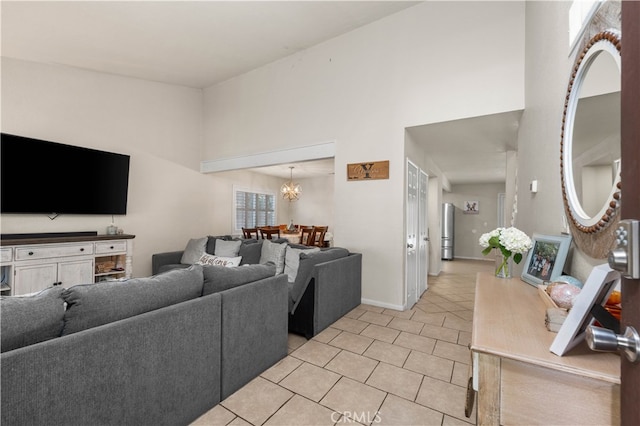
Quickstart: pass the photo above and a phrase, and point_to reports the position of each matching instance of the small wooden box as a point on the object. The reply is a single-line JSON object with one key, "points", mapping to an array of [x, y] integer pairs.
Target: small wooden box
{"points": [[548, 301]]}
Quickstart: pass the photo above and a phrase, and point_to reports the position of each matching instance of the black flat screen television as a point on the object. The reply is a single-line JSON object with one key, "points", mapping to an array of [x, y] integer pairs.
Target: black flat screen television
{"points": [[38, 176]]}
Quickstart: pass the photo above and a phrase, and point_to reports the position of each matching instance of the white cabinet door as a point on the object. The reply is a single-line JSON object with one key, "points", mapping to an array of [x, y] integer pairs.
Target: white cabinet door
{"points": [[33, 278], [75, 272]]}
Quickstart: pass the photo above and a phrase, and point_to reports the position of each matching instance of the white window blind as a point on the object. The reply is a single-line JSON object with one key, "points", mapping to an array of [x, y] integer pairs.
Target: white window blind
{"points": [[253, 209]]}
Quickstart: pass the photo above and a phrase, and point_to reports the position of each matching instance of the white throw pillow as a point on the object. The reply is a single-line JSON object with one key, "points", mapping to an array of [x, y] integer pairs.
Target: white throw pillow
{"points": [[273, 252], [195, 248], [229, 262], [227, 248], [292, 261]]}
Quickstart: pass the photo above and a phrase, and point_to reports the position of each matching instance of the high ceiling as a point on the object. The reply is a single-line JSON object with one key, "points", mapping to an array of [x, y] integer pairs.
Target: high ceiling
{"points": [[188, 43], [200, 43], [471, 150]]}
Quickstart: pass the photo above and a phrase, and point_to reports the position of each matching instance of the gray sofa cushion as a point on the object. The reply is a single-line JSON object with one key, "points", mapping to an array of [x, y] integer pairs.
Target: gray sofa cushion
{"points": [[292, 260], [195, 248], [305, 269], [250, 250], [171, 266], [211, 242], [91, 305], [26, 320], [219, 278], [227, 248]]}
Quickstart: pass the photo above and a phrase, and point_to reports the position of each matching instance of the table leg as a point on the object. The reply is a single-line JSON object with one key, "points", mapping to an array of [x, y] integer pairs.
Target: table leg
{"points": [[488, 389]]}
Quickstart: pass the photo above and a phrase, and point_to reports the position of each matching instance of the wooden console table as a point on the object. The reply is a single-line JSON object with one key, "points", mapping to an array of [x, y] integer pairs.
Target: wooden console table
{"points": [[518, 380]]}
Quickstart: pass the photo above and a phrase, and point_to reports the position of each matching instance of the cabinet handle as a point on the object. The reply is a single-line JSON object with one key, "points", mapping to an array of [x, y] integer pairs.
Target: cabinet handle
{"points": [[111, 247], [30, 253], [82, 249]]}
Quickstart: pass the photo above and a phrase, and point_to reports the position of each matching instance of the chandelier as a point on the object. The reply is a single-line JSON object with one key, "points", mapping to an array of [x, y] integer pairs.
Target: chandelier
{"points": [[290, 190]]}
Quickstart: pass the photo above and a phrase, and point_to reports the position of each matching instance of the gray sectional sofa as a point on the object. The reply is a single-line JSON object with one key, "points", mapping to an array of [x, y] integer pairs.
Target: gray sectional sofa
{"points": [[147, 351], [324, 284]]}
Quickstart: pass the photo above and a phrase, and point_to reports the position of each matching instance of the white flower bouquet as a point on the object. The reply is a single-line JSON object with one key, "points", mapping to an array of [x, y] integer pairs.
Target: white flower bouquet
{"points": [[510, 241]]}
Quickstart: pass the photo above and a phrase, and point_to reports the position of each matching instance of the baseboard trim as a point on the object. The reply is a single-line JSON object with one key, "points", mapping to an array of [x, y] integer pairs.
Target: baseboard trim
{"points": [[382, 304]]}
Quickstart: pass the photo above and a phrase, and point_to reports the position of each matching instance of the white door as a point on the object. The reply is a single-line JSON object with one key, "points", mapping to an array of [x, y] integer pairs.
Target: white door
{"points": [[411, 270], [423, 235]]}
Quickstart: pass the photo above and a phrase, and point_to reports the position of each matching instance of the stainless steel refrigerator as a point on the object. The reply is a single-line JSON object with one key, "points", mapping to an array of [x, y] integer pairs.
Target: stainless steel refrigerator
{"points": [[448, 210]]}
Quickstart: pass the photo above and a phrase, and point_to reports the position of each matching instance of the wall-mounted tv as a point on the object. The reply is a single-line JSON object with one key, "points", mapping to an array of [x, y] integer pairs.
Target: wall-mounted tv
{"points": [[38, 176]]}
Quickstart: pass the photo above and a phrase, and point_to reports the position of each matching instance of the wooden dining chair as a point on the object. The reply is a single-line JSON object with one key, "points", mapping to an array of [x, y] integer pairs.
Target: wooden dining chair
{"points": [[317, 236], [267, 232], [250, 233], [305, 233]]}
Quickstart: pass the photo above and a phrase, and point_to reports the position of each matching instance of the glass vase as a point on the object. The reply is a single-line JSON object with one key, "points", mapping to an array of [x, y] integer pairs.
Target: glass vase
{"points": [[503, 265]]}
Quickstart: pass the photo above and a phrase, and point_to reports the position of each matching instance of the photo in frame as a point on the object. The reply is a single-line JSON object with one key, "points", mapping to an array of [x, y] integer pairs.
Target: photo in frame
{"points": [[601, 282], [471, 207], [545, 261]]}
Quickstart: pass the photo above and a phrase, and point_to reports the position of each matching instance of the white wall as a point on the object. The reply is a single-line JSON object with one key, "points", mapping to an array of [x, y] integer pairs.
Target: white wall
{"points": [[469, 227], [315, 206], [159, 125], [434, 62]]}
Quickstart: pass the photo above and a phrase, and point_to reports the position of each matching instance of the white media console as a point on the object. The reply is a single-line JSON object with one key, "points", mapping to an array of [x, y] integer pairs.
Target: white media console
{"points": [[29, 265]]}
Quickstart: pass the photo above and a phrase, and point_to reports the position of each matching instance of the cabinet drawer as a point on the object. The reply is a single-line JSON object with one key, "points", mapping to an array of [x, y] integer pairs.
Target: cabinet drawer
{"points": [[105, 247], [6, 254], [44, 252]]}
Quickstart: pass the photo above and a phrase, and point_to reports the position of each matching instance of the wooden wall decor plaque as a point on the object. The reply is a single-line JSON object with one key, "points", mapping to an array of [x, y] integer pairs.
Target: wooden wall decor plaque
{"points": [[368, 171]]}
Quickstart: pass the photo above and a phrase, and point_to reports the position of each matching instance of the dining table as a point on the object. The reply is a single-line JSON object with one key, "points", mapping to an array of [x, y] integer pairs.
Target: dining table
{"points": [[293, 237]]}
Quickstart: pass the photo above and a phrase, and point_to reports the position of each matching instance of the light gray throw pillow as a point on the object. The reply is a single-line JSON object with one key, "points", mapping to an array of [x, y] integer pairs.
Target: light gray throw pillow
{"points": [[227, 248], [273, 252], [194, 250], [292, 260]]}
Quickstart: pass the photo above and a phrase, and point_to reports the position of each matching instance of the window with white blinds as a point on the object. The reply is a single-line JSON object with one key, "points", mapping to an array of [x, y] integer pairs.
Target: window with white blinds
{"points": [[253, 209]]}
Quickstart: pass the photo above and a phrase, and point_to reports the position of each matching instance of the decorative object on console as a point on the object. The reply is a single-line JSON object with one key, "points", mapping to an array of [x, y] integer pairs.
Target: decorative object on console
{"points": [[112, 229], [554, 318], [508, 242], [290, 190], [546, 261], [600, 284], [563, 294], [569, 280]]}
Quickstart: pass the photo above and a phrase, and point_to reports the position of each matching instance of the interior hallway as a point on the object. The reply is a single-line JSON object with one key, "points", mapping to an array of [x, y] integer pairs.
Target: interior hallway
{"points": [[374, 366]]}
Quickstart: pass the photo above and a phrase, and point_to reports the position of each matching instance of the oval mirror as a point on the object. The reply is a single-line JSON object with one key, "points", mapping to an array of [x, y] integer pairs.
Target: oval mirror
{"points": [[590, 147]]}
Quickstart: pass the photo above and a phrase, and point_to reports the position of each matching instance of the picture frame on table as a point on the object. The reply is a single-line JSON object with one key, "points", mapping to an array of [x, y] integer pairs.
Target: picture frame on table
{"points": [[545, 261], [596, 291]]}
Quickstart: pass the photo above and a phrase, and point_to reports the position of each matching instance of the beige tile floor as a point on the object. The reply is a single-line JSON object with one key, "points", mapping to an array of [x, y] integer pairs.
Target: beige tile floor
{"points": [[374, 366]]}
